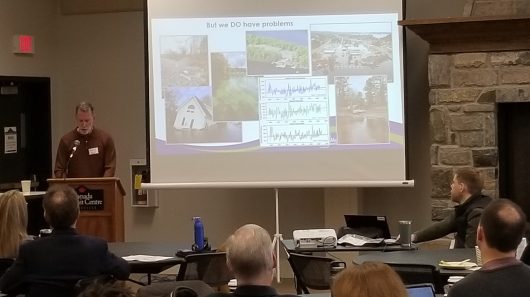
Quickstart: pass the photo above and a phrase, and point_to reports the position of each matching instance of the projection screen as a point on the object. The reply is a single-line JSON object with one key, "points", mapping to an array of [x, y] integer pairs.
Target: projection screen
{"points": [[277, 93]]}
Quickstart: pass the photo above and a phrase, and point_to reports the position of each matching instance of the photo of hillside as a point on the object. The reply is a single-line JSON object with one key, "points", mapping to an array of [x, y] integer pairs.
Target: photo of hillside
{"points": [[277, 52]]}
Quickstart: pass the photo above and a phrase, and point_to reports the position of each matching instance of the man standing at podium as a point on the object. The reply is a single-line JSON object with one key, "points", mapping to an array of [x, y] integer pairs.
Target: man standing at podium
{"points": [[85, 151]]}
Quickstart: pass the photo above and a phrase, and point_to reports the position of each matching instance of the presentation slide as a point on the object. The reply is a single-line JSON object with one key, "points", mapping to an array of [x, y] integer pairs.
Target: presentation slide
{"points": [[276, 91]]}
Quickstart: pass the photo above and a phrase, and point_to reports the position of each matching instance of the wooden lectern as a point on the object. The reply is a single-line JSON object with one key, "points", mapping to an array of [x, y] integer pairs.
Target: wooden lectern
{"points": [[101, 204]]}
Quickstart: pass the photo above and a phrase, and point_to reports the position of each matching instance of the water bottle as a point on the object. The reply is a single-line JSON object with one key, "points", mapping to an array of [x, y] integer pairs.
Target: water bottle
{"points": [[198, 228]]}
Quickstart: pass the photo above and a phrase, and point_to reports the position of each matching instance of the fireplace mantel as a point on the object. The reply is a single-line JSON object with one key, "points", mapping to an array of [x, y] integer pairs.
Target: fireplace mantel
{"points": [[473, 34]]}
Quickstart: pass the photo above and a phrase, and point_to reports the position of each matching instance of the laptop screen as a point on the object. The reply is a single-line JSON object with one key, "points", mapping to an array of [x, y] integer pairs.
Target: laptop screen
{"points": [[423, 290], [368, 225]]}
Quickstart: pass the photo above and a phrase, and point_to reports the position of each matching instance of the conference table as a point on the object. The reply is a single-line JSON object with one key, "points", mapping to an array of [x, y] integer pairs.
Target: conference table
{"points": [[328, 294], [165, 249], [291, 248], [428, 257], [396, 254]]}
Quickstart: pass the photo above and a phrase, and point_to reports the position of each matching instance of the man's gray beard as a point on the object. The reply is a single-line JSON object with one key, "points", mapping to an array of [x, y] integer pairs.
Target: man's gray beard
{"points": [[84, 131]]}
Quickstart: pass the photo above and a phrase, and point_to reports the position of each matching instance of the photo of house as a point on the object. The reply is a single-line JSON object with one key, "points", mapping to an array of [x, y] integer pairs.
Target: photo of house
{"points": [[193, 115], [189, 118]]}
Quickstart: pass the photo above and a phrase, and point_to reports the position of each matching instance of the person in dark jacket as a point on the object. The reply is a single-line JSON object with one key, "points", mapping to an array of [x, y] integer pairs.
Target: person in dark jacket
{"points": [[51, 266], [500, 231], [466, 190]]}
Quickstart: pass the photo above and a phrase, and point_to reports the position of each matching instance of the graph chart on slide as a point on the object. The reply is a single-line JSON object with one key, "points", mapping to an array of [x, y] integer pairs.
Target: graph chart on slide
{"points": [[295, 135], [294, 111], [294, 87]]}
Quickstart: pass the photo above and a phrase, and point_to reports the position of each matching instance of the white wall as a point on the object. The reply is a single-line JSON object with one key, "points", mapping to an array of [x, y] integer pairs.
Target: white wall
{"points": [[30, 18]]}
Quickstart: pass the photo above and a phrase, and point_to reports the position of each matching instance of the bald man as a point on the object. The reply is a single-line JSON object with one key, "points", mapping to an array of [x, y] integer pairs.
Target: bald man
{"points": [[500, 231], [251, 258]]}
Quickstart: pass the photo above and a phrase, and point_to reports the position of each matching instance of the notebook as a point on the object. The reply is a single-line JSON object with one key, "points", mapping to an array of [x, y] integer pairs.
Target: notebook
{"points": [[368, 225], [420, 290]]}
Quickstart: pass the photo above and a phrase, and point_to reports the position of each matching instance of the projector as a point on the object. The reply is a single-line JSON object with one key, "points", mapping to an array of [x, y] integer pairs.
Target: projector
{"points": [[315, 238]]}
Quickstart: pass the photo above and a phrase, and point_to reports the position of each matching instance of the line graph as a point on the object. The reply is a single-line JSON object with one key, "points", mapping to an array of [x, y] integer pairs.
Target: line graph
{"points": [[303, 134], [294, 110], [293, 87]]}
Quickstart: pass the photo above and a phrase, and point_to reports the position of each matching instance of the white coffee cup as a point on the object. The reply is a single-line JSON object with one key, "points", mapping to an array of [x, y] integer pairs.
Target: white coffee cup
{"points": [[26, 186]]}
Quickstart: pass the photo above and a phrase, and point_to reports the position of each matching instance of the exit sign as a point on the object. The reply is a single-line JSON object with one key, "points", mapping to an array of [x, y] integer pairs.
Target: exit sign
{"points": [[23, 44]]}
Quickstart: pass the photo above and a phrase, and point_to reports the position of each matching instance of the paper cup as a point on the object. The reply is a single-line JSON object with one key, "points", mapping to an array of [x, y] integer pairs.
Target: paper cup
{"points": [[26, 186]]}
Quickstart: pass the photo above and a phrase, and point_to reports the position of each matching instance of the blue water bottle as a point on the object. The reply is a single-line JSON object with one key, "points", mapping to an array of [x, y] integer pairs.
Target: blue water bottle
{"points": [[199, 234]]}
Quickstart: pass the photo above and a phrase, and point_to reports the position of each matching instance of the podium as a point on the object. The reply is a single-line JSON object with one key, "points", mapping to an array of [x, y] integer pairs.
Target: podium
{"points": [[101, 206]]}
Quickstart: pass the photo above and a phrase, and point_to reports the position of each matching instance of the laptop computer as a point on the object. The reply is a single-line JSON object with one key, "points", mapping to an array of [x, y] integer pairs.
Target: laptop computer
{"points": [[368, 225], [421, 290]]}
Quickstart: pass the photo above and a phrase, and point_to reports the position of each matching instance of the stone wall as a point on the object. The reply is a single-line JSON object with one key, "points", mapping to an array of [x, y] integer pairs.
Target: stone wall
{"points": [[496, 7], [464, 91]]}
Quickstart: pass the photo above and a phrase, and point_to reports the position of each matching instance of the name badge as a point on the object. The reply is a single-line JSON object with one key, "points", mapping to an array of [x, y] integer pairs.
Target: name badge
{"points": [[93, 151]]}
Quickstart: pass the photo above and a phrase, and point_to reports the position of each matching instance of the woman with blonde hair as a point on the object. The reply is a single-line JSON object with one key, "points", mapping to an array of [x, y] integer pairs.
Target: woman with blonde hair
{"points": [[13, 223], [370, 279]]}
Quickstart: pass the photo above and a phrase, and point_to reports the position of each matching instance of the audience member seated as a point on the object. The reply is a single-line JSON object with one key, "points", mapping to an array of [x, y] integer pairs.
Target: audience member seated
{"points": [[500, 230], [52, 265], [466, 190], [100, 288], [251, 258], [370, 279], [13, 223]]}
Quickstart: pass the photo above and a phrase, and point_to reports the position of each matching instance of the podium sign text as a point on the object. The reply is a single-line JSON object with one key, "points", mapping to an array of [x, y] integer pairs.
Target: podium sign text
{"points": [[90, 199], [100, 204]]}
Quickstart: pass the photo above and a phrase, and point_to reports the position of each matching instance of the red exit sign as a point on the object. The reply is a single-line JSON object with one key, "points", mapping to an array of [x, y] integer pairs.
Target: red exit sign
{"points": [[23, 44]]}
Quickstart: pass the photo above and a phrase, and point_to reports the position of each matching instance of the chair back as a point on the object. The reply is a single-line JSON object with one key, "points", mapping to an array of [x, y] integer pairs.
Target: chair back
{"points": [[210, 268], [191, 288], [312, 272], [412, 274], [5, 263]]}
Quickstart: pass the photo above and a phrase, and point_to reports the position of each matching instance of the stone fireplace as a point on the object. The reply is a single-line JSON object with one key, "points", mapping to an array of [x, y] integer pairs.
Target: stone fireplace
{"points": [[464, 90], [475, 63]]}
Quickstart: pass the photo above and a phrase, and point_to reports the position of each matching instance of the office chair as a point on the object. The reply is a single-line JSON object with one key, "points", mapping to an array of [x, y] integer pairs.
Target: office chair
{"points": [[5, 263], [211, 268], [412, 274], [312, 272]]}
